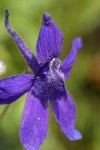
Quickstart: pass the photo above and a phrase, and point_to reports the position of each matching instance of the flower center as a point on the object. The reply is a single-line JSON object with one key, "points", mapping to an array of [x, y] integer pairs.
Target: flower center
{"points": [[49, 81], [54, 66]]}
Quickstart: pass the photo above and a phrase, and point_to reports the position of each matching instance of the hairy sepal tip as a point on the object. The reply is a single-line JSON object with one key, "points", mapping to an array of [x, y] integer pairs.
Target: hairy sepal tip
{"points": [[6, 13], [46, 19]]}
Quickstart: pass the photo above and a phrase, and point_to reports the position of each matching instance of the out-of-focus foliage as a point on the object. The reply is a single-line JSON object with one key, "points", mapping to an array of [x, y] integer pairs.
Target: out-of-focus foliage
{"points": [[75, 18]]}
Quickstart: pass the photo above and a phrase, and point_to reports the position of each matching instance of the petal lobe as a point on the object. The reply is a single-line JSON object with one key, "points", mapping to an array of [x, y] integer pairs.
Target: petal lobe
{"points": [[49, 42], [30, 58], [69, 61], [34, 124], [65, 112], [14, 87]]}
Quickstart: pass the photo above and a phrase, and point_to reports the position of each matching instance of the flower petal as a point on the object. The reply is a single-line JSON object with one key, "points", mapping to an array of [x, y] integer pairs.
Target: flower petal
{"points": [[14, 87], [50, 40], [68, 62], [30, 58], [65, 112], [34, 124], [55, 85]]}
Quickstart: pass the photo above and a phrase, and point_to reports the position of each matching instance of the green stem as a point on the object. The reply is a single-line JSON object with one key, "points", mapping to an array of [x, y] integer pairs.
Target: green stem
{"points": [[4, 111]]}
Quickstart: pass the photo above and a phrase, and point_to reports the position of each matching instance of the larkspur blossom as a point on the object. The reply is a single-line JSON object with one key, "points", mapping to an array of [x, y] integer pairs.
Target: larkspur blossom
{"points": [[46, 83]]}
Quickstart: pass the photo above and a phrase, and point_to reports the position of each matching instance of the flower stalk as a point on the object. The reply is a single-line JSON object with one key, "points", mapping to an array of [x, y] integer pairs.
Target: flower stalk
{"points": [[2, 114]]}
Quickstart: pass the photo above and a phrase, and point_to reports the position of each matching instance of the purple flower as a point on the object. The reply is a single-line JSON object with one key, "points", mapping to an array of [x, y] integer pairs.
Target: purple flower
{"points": [[46, 83]]}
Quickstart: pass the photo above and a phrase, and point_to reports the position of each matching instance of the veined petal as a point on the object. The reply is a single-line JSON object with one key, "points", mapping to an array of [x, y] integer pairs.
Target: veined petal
{"points": [[34, 124], [30, 58], [56, 86], [50, 40], [68, 62], [14, 87], [65, 112]]}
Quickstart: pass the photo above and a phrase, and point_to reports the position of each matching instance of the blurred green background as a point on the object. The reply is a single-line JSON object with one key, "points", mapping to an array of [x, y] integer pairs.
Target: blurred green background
{"points": [[75, 18]]}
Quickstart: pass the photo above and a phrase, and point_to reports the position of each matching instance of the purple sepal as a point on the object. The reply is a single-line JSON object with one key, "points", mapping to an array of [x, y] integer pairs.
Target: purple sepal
{"points": [[34, 123], [68, 62], [30, 58], [50, 40], [65, 111], [14, 87]]}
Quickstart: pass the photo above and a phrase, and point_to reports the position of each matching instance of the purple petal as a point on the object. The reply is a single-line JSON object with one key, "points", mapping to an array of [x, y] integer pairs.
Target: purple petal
{"points": [[68, 62], [65, 112], [34, 124], [50, 40], [14, 87], [30, 58]]}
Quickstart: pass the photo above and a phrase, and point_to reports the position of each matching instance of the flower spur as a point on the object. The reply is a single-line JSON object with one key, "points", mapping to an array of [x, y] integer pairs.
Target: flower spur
{"points": [[46, 83]]}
